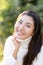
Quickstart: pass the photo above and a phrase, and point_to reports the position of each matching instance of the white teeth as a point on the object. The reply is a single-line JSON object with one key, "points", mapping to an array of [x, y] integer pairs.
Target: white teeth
{"points": [[20, 33]]}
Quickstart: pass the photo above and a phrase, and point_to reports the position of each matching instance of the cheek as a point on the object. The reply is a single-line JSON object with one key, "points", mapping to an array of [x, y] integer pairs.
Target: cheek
{"points": [[29, 32], [16, 26]]}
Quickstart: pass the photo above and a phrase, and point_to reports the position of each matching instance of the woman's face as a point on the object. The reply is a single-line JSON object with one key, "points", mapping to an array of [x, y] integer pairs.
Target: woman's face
{"points": [[24, 27]]}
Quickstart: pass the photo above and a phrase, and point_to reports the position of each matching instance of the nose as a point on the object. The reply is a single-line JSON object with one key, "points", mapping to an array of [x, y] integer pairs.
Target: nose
{"points": [[21, 28]]}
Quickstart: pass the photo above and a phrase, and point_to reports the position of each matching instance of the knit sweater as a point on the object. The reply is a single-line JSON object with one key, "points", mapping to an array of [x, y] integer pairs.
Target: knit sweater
{"points": [[9, 49]]}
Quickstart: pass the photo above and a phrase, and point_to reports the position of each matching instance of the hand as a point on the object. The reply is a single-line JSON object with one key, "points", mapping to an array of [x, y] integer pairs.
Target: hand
{"points": [[16, 42], [17, 46]]}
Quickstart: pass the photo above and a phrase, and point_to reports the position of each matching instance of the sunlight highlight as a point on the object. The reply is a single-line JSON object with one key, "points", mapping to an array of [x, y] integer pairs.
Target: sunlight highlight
{"points": [[1, 19], [3, 4]]}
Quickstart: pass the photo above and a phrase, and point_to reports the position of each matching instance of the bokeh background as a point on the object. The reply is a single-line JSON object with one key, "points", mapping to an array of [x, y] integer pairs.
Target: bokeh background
{"points": [[9, 10]]}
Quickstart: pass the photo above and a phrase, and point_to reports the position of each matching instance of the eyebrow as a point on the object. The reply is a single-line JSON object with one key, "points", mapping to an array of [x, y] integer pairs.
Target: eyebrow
{"points": [[21, 20], [26, 23], [29, 23]]}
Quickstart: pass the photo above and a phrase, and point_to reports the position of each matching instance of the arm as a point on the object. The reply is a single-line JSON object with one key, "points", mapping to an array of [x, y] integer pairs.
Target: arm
{"points": [[7, 56], [10, 58]]}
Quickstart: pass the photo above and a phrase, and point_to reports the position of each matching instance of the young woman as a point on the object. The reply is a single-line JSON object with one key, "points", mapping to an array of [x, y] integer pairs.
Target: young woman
{"points": [[25, 47]]}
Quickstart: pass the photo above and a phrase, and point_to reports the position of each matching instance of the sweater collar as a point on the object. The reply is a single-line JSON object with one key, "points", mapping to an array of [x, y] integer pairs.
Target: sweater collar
{"points": [[25, 43]]}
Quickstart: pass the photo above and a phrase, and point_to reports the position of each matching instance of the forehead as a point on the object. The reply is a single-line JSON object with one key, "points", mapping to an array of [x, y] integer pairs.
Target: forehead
{"points": [[26, 19]]}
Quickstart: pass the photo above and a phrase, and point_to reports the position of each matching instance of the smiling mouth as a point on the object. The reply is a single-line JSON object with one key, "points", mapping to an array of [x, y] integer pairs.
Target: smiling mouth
{"points": [[20, 33]]}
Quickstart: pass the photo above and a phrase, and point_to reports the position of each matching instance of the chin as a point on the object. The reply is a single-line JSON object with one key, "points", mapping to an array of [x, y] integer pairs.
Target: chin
{"points": [[19, 37]]}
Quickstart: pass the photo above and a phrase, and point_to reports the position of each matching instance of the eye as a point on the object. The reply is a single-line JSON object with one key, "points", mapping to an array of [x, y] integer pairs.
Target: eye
{"points": [[28, 26], [20, 22]]}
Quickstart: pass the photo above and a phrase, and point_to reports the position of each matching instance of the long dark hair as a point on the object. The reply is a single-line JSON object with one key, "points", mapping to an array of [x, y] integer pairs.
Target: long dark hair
{"points": [[36, 41]]}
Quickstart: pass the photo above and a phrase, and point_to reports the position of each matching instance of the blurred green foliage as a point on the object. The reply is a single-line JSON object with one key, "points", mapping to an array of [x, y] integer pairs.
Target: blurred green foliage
{"points": [[14, 8], [1, 52]]}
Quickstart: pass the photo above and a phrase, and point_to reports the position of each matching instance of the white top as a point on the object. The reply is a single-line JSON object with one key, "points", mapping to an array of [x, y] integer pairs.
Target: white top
{"points": [[8, 51]]}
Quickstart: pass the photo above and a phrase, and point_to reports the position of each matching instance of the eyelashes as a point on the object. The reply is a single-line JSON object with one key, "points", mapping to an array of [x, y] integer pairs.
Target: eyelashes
{"points": [[20, 22], [28, 26]]}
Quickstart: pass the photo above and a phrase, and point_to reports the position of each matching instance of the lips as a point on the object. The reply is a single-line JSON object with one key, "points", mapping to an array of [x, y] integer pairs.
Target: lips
{"points": [[20, 33]]}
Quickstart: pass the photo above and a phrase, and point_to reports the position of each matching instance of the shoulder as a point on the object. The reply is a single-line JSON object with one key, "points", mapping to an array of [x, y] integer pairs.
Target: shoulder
{"points": [[40, 54], [39, 59], [41, 51], [8, 41], [9, 38]]}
